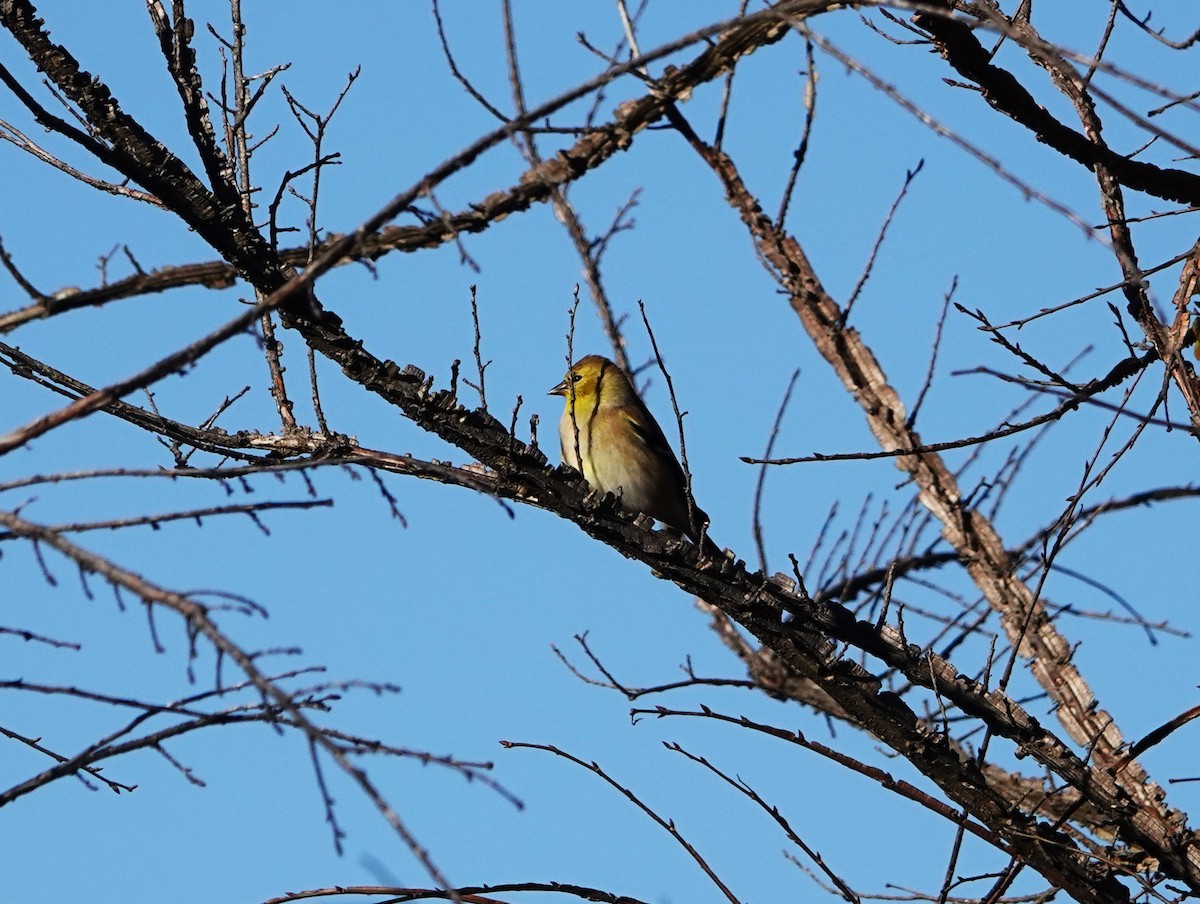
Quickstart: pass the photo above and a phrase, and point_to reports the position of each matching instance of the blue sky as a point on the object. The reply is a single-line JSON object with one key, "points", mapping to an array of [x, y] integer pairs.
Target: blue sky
{"points": [[462, 606]]}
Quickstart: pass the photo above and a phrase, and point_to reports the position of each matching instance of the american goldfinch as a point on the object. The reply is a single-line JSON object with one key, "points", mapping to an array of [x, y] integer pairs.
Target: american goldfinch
{"points": [[622, 447]]}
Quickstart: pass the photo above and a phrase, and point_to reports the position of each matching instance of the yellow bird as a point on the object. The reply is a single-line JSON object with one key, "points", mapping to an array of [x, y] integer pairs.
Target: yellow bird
{"points": [[622, 447]]}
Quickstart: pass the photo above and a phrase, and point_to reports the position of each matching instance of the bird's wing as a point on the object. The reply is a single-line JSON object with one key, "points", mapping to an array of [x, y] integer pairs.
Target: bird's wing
{"points": [[646, 429]]}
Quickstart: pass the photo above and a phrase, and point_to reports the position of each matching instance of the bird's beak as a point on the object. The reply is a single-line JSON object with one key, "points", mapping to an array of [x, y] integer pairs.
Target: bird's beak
{"points": [[560, 389]]}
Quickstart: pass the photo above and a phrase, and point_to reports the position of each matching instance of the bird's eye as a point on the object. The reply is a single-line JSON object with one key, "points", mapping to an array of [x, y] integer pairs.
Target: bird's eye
{"points": [[575, 378]]}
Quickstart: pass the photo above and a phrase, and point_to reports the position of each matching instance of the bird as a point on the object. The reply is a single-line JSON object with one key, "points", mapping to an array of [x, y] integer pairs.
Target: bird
{"points": [[622, 448]]}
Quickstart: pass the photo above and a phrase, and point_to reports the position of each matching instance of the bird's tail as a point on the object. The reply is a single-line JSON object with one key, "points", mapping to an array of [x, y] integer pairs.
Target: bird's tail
{"points": [[699, 535]]}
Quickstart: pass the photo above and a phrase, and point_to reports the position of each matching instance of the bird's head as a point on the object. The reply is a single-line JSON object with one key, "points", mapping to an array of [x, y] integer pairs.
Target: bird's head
{"points": [[594, 381]]}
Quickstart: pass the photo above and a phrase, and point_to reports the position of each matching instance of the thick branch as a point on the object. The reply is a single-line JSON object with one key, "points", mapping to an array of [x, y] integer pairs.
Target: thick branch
{"points": [[1028, 624], [962, 50]]}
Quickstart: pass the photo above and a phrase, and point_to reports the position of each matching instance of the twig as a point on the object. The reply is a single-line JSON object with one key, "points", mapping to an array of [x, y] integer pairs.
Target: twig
{"points": [[909, 175], [756, 516], [666, 824]]}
